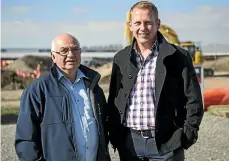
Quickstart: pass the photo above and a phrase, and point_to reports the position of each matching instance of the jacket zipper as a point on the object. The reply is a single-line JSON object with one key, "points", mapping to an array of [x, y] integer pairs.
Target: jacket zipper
{"points": [[70, 106], [94, 111]]}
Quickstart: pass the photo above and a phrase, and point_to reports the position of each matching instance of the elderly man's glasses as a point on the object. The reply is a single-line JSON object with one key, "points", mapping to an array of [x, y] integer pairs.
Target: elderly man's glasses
{"points": [[65, 51]]}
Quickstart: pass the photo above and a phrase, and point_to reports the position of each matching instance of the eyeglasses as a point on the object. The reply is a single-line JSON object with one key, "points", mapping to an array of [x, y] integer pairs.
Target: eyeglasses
{"points": [[65, 51]]}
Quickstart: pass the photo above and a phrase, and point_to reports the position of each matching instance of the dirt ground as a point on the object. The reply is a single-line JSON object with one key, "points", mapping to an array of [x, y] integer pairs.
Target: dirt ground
{"points": [[216, 82]]}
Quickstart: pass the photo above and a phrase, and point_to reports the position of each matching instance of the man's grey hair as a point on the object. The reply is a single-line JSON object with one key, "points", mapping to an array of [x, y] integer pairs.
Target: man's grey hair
{"points": [[53, 44]]}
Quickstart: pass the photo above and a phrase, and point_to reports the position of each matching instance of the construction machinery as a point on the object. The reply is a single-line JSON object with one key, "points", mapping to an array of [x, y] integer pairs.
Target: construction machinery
{"points": [[193, 49]]}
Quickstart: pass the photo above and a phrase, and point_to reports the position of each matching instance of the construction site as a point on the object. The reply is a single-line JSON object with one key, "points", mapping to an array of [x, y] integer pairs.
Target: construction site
{"points": [[211, 71]]}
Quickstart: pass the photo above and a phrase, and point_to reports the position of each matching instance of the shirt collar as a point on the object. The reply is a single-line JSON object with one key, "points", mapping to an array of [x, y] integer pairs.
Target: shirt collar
{"points": [[154, 48], [79, 76]]}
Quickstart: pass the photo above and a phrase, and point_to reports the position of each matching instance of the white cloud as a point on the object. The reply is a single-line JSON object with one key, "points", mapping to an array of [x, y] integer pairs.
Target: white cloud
{"points": [[206, 24], [36, 34]]}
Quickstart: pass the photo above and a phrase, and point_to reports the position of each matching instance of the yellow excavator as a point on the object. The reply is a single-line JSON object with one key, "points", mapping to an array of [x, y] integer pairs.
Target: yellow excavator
{"points": [[194, 51]]}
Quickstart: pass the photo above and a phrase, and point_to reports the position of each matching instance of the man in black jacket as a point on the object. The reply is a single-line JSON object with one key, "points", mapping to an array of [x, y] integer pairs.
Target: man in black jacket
{"points": [[63, 113], [155, 102]]}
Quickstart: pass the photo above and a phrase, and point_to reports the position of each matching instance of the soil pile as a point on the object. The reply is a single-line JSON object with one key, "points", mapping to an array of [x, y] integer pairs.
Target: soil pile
{"points": [[29, 63], [11, 81], [221, 64]]}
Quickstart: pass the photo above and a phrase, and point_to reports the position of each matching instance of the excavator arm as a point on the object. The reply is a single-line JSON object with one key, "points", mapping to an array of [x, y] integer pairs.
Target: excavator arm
{"points": [[169, 34]]}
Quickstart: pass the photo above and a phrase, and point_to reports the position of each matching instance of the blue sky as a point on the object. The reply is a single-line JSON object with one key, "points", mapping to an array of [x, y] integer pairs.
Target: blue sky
{"points": [[27, 23]]}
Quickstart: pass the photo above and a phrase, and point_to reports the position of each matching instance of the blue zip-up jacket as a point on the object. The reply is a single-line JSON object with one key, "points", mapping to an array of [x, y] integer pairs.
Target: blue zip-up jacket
{"points": [[45, 126]]}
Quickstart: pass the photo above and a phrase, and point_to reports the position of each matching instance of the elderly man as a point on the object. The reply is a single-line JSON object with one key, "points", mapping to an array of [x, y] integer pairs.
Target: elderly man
{"points": [[62, 114]]}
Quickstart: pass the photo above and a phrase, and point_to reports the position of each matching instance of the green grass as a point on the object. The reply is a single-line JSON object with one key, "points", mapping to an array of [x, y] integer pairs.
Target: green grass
{"points": [[9, 110]]}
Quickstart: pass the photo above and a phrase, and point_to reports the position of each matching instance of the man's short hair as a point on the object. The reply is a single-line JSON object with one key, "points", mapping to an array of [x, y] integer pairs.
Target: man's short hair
{"points": [[145, 5]]}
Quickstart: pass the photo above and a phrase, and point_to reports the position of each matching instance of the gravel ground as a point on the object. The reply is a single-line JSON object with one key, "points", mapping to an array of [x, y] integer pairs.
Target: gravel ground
{"points": [[213, 142]]}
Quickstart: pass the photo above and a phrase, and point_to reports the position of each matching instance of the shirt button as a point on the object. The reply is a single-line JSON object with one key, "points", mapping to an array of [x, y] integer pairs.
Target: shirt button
{"points": [[141, 103], [141, 116], [141, 91]]}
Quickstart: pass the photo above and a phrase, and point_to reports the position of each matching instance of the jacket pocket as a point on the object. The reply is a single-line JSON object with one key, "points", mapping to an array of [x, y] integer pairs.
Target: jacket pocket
{"points": [[55, 111], [190, 136], [174, 142], [179, 117]]}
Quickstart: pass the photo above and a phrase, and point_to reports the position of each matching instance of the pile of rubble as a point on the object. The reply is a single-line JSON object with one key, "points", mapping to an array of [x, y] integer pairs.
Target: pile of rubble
{"points": [[23, 71]]}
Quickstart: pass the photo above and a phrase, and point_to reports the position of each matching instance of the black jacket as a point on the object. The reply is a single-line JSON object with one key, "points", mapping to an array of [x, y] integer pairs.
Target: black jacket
{"points": [[45, 127], [178, 96]]}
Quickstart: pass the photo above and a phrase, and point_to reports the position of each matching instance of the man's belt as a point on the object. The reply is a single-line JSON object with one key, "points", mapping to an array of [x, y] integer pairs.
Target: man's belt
{"points": [[144, 133]]}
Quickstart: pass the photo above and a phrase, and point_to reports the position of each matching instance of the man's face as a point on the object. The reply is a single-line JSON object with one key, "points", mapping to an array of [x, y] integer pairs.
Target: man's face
{"points": [[144, 25], [67, 54]]}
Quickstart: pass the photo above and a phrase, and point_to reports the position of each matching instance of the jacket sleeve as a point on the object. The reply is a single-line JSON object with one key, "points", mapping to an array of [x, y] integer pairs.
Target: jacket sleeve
{"points": [[113, 113], [27, 140], [104, 116], [194, 104]]}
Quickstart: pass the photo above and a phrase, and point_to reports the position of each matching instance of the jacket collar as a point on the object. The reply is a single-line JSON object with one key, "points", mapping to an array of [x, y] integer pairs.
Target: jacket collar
{"points": [[91, 75], [79, 75]]}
